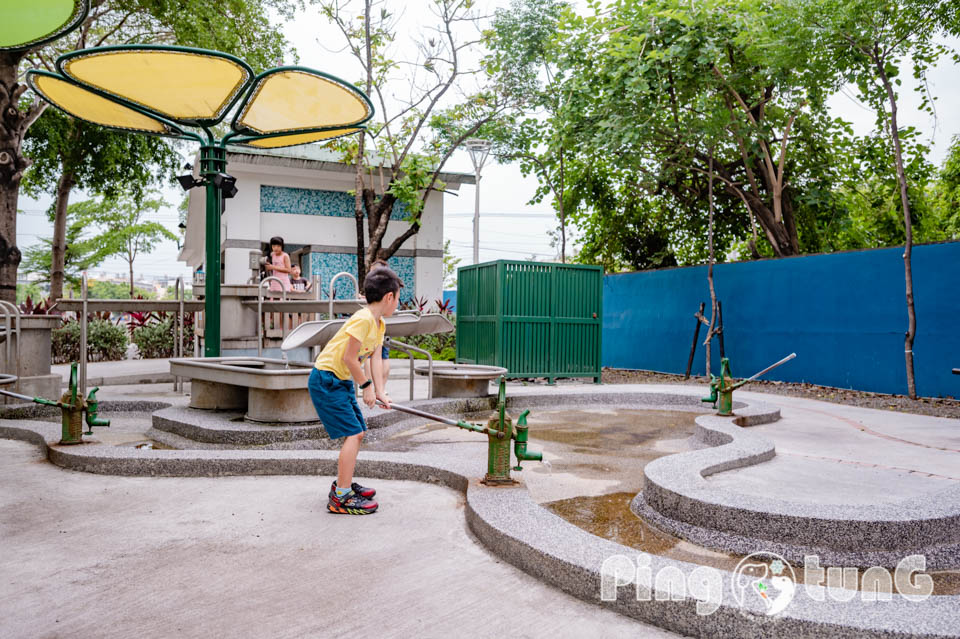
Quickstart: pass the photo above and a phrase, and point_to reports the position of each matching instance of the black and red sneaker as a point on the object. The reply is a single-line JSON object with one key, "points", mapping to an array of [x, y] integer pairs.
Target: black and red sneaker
{"points": [[363, 491], [351, 504]]}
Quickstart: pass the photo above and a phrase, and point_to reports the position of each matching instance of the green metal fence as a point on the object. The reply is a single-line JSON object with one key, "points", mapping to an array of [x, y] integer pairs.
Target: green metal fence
{"points": [[534, 319]]}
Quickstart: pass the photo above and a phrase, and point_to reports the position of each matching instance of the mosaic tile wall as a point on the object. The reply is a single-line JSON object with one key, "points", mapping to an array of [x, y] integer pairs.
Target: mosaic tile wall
{"points": [[285, 199], [326, 265]]}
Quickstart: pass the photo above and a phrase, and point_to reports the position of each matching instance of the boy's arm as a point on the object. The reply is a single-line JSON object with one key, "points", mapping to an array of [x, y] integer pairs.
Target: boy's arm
{"points": [[351, 357], [376, 366]]}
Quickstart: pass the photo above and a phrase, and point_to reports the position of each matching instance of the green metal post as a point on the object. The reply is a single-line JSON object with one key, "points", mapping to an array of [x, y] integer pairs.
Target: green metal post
{"points": [[213, 160]]}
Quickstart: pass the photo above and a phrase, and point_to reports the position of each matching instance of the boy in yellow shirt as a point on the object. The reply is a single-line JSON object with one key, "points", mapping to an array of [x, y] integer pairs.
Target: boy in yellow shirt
{"points": [[332, 391]]}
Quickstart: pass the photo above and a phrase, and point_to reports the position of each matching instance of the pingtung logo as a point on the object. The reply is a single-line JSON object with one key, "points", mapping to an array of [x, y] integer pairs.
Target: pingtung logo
{"points": [[765, 578]]}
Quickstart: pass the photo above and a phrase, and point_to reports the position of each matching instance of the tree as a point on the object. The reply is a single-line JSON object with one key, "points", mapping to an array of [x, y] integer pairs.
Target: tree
{"points": [[946, 193], [240, 27], [115, 291], [82, 252], [68, 153], [651, 86], [450, 264], [520, 61], [870, 39], [401, 155], [127, 233]]}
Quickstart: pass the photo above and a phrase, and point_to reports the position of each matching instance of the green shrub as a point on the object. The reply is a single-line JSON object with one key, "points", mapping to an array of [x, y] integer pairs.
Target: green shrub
{"points": [[105, 342], [155, 339], [447, 354]]}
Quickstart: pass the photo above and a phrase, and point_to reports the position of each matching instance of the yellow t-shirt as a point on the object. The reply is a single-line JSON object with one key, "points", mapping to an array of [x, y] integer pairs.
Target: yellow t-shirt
{"points": [[363, 327]]}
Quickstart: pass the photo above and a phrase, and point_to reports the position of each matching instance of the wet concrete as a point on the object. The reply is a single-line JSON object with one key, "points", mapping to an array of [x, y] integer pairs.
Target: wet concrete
{"points": [[596, 459], [609, 516]]}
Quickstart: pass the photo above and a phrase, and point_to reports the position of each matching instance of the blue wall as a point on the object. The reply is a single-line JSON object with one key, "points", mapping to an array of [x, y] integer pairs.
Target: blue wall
{"points": [[844, 314], [451, 295]]}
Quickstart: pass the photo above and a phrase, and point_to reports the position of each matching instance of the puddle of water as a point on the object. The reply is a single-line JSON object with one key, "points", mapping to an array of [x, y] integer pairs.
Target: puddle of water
{"points": [[609, 516], [149, 445]]}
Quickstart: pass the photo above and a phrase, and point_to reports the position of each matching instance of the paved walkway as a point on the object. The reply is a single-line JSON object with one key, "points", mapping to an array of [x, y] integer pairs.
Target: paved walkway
{"points": [[98, 556], [248, 556]]}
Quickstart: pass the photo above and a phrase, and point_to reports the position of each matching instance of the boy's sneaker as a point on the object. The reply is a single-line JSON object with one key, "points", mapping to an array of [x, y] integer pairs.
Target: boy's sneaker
{"points": [[363, 491], [351, 504]]}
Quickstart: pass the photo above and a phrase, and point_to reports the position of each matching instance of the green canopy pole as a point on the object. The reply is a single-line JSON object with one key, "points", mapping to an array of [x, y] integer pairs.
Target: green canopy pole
{"points": [[213, 160]]}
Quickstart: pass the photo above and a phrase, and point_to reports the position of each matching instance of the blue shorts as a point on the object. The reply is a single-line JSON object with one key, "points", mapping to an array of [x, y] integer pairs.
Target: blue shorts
{"points": [[385, 353], [336, 403]]}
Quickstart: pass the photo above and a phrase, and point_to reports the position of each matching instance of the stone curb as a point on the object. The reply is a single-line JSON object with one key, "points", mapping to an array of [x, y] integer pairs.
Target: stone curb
{"points": [[676, 488]]}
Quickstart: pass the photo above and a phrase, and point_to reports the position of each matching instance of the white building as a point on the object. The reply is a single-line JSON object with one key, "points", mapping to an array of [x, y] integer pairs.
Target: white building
{"points": [[301, 194]]}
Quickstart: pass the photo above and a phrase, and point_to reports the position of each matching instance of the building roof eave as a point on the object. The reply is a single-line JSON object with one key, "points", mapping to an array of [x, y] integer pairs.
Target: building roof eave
{"points": [[260, 157]]}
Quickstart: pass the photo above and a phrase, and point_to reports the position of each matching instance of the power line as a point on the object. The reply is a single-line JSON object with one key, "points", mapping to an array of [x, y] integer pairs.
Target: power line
{"points": [[544, 216]]}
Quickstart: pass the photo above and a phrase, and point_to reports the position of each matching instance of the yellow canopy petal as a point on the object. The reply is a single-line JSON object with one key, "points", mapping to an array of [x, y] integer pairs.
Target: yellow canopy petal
{"points": [[299, 138], [180, 85], [86, 105], [293, 99]]}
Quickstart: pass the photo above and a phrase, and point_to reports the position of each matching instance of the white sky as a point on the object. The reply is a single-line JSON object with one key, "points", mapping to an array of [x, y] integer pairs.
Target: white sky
{"points": [[509, 228]]}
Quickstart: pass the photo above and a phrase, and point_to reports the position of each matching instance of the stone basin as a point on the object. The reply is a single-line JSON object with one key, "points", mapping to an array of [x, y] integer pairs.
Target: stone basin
{"points": [[270, 390], [461, 380]]}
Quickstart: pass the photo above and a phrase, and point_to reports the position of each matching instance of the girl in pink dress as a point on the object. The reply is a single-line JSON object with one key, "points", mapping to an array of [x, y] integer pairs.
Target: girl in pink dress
{"points": [[279, 265]]}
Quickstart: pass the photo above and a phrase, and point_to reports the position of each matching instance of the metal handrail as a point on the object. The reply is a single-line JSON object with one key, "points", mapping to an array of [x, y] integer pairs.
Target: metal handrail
{"points": [[178, 293], [333, 281], [406, 348], [83, 334], [14, 331], [283, 293]]}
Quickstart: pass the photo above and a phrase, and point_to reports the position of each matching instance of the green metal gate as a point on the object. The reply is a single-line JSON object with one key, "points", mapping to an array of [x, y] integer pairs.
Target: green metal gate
{"points": [[534, 319]]}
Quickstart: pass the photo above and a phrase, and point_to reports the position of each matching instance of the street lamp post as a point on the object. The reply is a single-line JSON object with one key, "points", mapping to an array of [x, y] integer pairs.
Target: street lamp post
{"points": [[479, 150]]}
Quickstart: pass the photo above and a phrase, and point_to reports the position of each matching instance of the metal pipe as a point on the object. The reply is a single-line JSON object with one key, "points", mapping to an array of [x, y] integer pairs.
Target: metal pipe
{"points": [[16, 395], [403, 346], [83, 335], [283, 296], [437, 418], [772, 366], [356, 288], [178, 293]]}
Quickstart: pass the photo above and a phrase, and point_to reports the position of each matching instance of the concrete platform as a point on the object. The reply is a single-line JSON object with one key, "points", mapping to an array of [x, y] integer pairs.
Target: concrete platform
{"points": [[97, 556], [518, 530]]}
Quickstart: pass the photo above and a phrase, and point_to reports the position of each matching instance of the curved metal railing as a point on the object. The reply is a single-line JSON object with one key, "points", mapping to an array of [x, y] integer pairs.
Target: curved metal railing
{"points": [[283, 294], [333, 281], [11, 312]]}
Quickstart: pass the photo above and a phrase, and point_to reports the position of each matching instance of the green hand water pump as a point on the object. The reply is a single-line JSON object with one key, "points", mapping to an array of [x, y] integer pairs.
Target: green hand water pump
{"points": [[74, 410], [499, 430]]}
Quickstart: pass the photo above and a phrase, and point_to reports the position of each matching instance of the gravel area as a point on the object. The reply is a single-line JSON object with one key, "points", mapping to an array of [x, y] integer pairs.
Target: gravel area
{"points": [[934, 406]]}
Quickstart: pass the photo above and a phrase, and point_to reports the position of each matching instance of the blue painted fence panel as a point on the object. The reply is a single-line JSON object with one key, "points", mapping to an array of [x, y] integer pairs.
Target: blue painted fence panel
{"points": [[844, 314], [451, 294]]}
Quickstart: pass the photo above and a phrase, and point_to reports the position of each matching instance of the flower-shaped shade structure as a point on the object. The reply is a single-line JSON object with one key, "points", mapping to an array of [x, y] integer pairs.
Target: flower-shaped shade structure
{"points": [[162, 90], [30, 23], [86, 105], [166, 90]]}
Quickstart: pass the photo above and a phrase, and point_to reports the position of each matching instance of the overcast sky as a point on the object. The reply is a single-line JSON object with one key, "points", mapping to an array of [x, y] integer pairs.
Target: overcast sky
{"points": [[509, 229]]}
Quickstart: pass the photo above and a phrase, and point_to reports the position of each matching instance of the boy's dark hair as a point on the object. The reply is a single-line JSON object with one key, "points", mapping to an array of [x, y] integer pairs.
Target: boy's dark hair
{"points": [[380, 281], [378, 263], [276, 239]]}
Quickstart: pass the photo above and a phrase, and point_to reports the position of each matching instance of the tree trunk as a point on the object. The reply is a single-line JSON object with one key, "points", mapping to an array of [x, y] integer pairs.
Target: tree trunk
{"points": [[12, 166], [58, 251], [131, 278], [908, 228], [713, 293]]}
